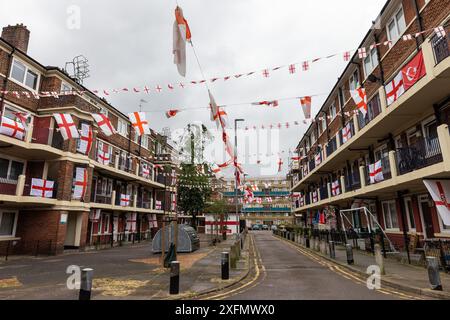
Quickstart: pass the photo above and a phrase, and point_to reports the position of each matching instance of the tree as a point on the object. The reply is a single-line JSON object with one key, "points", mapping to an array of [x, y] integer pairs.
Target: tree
{"points": [[194, 191], [219, 210]]}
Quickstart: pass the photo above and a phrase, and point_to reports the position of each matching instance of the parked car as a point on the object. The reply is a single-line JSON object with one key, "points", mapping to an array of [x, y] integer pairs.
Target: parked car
{"points": [[265, 227], [256, 227], [274, 228]]}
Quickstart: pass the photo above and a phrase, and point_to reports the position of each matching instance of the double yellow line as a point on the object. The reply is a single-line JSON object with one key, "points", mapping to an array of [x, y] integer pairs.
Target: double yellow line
{"points": [[348, 274]]}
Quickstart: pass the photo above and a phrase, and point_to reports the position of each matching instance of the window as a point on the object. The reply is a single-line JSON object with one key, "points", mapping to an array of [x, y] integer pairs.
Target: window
{"points": [[8, 221], [65, 88], [333, 111], [11, 113], [410, 214], [24, 75], [396, 26], [370, 62], [390, 215], [354, 80], [122, 128], [144, 141], [10, 170]]}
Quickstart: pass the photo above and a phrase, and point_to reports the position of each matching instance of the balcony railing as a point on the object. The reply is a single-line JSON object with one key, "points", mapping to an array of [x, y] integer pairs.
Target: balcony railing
{"points": [[386, 169], [308, 199], [48, 136], [312, 165], [374, 109], [8, 187], [424, 153], [352, 181], [441, 47], [331, 147], [324, 192], [104, 199]]}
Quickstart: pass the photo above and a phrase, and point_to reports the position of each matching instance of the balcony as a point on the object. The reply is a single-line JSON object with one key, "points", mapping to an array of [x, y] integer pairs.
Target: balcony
{"points": [[312, 165], [424, 153], [441, 48], [386, 169], [103, 199], [324, 192], [331, 147]]}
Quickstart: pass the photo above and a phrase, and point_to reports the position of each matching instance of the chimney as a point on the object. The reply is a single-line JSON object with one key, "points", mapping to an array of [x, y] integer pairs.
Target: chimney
{"points": [[17, 35]]}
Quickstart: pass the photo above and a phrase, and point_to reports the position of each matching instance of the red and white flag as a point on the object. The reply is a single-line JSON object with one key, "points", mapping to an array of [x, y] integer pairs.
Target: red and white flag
{"points": [[273, 103], [362, 53], [139, 123], [86, 139], [346, 133], [440, 31], [280, 164], [145, 170], [360, 98], [104, 123], [41, 188], [394, 89], [23, 117], [181, 35], [103, 154], [80, 183], [131, 222], [306, 106], [269, 200], [305, 65], [315, 196], [347, 56], [318, 159], [158, 205], [125, 200], [171, 113], [413, 71], [12, 128], [335, 188], [66, 126], [376, 172], [440, 192]]}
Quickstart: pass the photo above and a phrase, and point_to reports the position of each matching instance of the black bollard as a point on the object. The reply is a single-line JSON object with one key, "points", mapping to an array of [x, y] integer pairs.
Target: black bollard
{"points": [[225, 266], [307, 242], [433, 273], [174, 277], [87, 275], [349, 250], [332, 250]]}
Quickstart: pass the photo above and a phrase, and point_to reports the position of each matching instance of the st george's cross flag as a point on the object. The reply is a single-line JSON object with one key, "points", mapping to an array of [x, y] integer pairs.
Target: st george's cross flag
{"points": [[125, 200], [306, 106], [131, 222], [103, 154], [346, 133], [104, 123], [376, 172], [80, 183], [41, 188], [86, 139], [12, 128], [67, 126], [335, 188], [181, 35], [395, 89], [360, 98], [139, 123], [440, 192]]}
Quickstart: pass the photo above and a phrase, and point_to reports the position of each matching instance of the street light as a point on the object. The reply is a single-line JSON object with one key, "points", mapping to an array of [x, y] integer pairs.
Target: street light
{"points": [[235, 178]]}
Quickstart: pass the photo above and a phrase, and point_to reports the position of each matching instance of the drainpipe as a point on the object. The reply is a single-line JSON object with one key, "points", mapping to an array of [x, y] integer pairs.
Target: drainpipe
{"points": [[5, 81], [419, 23]]}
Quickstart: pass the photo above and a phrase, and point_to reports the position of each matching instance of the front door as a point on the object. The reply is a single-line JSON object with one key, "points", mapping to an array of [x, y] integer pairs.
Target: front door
{"points": [[69, 241], [428, 222]]}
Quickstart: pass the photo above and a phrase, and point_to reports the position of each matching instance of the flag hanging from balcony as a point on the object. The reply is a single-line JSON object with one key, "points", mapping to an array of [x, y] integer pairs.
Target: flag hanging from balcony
{"points": [[158, 205], [145, 170], [131, 222], [12, 128], [347, 133], [104, 124], [315, 196], [306, 106], [153, 221], [376, 172], [41, 188], [413, 71], [322, 219], [80, 183], [181, 35], [360, 98], [67, 126], [125, 200], [103, 154], [248, 195], [258, 201], [86, 139], [395, 89], [139, 123], [318, 159], [23, 117], [335, 188], [440, 192]]}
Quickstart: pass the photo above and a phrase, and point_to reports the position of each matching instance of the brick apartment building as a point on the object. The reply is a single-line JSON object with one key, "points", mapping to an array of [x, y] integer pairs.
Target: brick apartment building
{"points": [[271, 205], [408, 135], [125, 197]]}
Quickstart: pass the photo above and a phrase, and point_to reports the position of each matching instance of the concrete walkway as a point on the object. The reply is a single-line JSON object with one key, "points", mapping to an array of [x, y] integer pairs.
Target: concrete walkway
{"points": [[131, 272], [398, 275]]}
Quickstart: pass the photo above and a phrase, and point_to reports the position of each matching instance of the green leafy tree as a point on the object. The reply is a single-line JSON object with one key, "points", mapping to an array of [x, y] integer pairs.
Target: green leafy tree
{"points": [[219, 209]]}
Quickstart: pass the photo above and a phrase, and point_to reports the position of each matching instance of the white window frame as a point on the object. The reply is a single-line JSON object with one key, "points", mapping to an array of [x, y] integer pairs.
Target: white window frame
{"points": [[16, 216], [373, 64], [65, 87], [408, 214], [391, 228], [11, 159], [121, 126], [394, 19], [351, 80], [27, 69]]}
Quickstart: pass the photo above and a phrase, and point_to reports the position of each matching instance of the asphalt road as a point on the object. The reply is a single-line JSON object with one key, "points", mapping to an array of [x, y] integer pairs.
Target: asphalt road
{"points": [[287, 273]]}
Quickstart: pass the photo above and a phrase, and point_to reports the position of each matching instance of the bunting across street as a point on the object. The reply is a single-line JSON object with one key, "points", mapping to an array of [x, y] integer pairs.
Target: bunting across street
{"points": [[181, 35]]}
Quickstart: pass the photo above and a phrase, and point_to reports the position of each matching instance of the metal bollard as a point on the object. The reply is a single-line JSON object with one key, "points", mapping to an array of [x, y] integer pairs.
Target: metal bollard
{"points": [[332, 250], [87, 275], [433, 273], [225, 263], [379, 258], [349, 250], [174, 277], [307, 243]]}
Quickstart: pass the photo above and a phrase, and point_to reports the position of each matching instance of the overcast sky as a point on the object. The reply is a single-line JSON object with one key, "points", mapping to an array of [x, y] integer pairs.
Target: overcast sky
{"points": [[129, 43]]}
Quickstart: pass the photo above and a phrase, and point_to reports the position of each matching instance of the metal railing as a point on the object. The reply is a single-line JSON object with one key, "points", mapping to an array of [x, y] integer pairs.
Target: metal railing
{"points": [[424, 153], [331, 146], [324, 192], [441, 47]]}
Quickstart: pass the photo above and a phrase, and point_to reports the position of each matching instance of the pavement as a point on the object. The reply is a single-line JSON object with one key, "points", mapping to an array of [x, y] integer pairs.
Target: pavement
{"points": [[409, 278], [129, 272]]}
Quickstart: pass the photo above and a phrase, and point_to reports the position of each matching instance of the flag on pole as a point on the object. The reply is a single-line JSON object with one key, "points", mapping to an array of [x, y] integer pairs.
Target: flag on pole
{"points": [[181, 35]]}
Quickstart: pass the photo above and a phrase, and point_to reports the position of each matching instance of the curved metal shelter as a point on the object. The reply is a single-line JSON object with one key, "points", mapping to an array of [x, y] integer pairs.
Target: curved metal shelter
{"points": [[188, 240]]}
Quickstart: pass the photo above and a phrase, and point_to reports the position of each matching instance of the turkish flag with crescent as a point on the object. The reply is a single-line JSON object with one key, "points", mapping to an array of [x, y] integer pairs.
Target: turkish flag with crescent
{"points": [[414, 71]]}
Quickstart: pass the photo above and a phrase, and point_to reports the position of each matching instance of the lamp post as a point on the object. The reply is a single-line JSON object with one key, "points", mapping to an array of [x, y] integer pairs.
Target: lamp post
{"points": [[235, 178]]}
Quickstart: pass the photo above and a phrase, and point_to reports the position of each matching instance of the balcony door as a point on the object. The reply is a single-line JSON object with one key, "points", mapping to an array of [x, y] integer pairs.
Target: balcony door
{"points": [[425, 213]]}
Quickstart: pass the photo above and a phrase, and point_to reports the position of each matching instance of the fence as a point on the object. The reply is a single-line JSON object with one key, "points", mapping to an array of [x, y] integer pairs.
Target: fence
{"points": [[439, 249], [30, 248]]}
